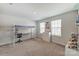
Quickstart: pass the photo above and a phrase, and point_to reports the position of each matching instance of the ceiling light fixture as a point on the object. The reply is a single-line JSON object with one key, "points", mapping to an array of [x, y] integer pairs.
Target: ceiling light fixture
{"points": [[10, 3], [34, 13]]}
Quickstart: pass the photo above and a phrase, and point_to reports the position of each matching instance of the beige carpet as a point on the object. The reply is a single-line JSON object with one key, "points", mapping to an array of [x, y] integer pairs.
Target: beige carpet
{"points": [[32, 48]]}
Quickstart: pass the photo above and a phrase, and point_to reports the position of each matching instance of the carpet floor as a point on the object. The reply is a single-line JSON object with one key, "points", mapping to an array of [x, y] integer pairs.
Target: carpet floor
{"points": [[32, 47]]}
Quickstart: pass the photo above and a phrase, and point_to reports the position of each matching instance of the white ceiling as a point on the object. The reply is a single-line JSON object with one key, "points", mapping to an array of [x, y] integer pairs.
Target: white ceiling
{"points": [[35, 11]]}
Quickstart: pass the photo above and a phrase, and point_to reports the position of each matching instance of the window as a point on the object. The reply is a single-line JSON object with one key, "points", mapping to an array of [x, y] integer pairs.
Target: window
{"points": [[42, 27], [56, 27]]}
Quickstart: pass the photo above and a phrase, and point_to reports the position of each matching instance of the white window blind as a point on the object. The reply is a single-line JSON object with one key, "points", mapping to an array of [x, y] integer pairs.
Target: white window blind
{"points": [[42, 27], [56, 27]]}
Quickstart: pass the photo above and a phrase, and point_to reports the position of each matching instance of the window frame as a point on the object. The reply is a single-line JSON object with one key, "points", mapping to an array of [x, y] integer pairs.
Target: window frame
{"points": [[42, 28], [54, 33]]}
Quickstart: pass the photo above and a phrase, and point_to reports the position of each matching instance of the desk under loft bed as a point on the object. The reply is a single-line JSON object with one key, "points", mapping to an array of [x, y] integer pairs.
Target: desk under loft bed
{"points": [[24, 32]]}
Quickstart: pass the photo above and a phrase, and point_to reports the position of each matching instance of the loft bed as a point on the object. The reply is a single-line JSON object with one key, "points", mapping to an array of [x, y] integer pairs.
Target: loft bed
{"points": [[21, 31], [8, 33]]}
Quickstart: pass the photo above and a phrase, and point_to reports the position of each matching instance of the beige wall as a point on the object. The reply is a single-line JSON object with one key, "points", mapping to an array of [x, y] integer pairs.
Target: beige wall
{"points": [[6, 23], [68, 26]]}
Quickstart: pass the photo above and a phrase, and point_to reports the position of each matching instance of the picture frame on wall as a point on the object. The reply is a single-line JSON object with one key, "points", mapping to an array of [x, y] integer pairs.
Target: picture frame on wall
{"points": [[47, 27]]}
